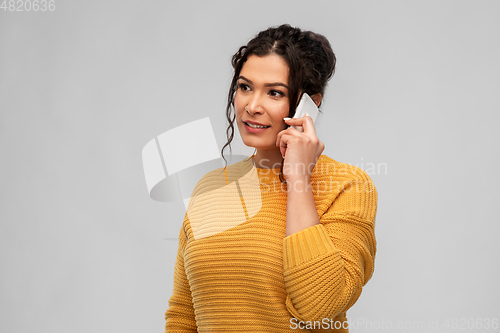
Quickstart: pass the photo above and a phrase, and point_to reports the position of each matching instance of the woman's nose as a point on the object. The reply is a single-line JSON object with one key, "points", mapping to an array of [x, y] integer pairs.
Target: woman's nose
{"points": [[255, 105]]}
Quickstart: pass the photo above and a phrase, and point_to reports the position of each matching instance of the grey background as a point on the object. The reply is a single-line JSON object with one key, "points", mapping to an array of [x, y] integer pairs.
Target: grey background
{"points": [[82, 90]]}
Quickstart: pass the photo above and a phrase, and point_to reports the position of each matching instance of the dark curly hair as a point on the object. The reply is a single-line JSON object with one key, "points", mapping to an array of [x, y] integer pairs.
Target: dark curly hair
{"points": [[309, 57]]}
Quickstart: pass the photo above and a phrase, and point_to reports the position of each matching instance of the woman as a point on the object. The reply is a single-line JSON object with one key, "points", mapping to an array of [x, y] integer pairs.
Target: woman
{"points": [[298, 253]]}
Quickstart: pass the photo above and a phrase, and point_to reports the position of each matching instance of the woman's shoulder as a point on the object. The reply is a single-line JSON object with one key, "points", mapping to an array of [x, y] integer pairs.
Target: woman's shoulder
{"points": [[222, 176], [333, 177]]}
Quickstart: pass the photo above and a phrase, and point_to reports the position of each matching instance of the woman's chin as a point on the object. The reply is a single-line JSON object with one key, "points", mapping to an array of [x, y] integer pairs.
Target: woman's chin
{"points": [[258, 145]]}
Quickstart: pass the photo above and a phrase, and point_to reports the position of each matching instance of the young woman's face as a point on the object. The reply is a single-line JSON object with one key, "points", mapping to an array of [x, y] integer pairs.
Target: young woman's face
{"points": [[263, 91]]}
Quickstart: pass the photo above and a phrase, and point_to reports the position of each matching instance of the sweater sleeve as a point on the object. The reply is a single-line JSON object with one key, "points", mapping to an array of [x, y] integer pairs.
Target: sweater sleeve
{"points": [[326, 265], [180, 314]]}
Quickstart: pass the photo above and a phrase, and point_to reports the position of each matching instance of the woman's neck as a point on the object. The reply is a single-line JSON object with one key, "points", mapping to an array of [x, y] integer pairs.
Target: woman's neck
{"points": [[268, 158]]}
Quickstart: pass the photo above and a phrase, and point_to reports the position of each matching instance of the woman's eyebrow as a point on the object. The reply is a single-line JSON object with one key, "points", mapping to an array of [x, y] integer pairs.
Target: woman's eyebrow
{"points": [[265, 85]]}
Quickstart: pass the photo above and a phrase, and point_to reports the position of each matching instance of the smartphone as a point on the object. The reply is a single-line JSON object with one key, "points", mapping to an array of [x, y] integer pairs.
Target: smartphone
{"points": [[306, 105]]}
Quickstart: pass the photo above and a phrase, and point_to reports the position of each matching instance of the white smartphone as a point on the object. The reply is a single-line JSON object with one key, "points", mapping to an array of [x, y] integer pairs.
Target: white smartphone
{"points": [[306, 105]]}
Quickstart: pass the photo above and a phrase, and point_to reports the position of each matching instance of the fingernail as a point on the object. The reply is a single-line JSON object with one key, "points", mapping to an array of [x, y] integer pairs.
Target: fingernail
{"points": [[306, 114], [286, 118]]}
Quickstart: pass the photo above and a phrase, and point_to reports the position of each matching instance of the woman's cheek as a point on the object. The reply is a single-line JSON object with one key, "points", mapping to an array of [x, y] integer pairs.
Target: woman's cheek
{"points": [[237, 103]]}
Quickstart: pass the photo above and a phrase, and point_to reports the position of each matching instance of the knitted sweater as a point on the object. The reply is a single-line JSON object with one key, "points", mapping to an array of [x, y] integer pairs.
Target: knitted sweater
{"points": [[237, 271]]}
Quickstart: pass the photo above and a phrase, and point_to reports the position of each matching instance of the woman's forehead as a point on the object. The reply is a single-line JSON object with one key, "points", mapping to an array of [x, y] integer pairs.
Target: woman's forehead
{"points": [[270, 68]]}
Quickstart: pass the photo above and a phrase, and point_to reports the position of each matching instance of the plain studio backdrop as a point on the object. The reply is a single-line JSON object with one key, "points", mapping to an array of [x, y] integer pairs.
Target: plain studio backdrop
{"points": [[415, 102]]}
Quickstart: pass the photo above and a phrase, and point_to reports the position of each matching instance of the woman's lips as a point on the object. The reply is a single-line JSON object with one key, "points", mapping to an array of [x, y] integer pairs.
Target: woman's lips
{"points": [[254, 130]]}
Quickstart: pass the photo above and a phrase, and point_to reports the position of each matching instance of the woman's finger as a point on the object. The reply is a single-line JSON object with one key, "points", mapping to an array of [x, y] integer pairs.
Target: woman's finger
{"points": [[304, 121]]}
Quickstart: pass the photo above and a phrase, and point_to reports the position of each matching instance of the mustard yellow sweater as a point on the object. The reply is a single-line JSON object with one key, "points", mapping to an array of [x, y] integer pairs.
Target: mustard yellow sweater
{"points": [[236, 271]]}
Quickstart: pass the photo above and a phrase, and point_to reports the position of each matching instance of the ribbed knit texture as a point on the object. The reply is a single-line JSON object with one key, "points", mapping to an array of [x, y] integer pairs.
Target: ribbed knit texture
{"points": [[236, 271]]}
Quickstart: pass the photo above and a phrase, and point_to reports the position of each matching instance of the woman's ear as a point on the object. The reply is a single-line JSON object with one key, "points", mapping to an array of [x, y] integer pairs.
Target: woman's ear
{"points": [[317, 99]]}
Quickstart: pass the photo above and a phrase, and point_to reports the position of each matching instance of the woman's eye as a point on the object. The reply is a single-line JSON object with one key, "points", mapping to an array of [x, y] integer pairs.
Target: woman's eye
{"points": [[276, 93], [243, 86]]}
